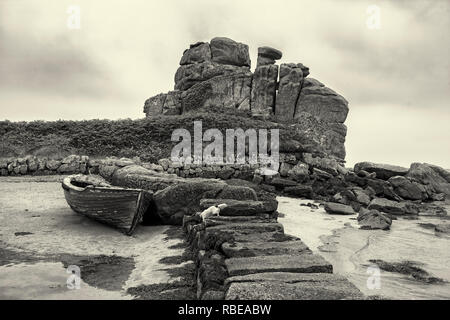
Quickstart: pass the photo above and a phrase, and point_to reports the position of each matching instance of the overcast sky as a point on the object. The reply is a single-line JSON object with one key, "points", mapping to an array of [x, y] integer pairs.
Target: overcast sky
{"points": [[396, 78]]}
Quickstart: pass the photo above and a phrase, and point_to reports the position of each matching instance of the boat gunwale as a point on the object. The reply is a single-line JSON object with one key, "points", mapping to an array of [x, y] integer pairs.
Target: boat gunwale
{"points": [[67, 184]]}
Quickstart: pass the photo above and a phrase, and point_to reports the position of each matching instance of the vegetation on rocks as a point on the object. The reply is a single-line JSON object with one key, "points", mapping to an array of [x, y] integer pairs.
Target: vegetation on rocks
{"points": [[150, 139]]}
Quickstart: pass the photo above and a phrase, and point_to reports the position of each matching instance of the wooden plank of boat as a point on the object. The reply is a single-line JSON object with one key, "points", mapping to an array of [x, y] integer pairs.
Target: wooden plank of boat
{"points": [[119, 207]]}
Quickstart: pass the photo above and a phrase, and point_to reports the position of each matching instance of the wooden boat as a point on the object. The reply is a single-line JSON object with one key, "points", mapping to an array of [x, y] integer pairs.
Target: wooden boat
{"points": [[121, 208]]}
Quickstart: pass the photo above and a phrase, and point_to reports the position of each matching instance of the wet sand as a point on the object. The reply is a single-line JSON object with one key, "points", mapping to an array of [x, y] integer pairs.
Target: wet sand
{"points": [[340, 241], [40, 236]]}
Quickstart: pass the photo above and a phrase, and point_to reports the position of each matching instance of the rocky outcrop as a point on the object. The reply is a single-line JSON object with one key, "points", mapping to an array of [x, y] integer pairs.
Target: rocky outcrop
{"points": [[191, 74], [163, 104], [197, 52], [291, 80], [227, 51], [225, 91], [217, 75], [267, 56], [264, 90], [321, 102], [331, 136], [264, 84]]}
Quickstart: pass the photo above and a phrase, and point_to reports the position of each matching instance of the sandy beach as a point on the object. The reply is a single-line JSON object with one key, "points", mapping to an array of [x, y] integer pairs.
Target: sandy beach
{"points": [[40, 236]]}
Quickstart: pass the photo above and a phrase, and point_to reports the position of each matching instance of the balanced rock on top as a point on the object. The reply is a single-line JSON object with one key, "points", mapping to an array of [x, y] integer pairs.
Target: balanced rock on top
{"points": [[268, 55]]}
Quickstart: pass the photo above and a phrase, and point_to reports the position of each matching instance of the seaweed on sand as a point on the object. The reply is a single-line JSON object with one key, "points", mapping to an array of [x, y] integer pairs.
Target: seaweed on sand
{"points": [[410, 268]]}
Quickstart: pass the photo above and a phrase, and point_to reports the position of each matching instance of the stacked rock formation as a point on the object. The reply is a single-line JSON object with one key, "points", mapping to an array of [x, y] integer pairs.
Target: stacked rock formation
{"points": [[217, 74]]}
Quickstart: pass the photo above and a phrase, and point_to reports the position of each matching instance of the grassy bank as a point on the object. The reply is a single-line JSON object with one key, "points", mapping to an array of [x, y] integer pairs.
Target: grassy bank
{"points": [[149, 139]]}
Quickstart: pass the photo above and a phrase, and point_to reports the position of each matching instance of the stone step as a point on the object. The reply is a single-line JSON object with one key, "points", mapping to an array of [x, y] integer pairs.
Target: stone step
{"points": [[213, 237], [247, 227], [303, 263], [291, 286], [241, 207], [263, 237], [260, 248], [223, 220]]}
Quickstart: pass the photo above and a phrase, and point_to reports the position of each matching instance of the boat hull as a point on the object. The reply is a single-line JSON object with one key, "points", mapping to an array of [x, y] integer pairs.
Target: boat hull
{"points": [[117, 207]]}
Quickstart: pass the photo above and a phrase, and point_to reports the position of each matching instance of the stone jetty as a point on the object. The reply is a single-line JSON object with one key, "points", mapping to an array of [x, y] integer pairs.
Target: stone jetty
{"points": [[245, 254]]}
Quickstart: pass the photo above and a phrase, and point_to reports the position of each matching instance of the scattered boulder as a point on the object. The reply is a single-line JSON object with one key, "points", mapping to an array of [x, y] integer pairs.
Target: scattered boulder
{"points": [[281, 183], [431, 209], [431, 175], [374, 219], [383, 171], [408, 189], [337, 208], [392, 207], [361, 196], [329, 165], [300, 172]]}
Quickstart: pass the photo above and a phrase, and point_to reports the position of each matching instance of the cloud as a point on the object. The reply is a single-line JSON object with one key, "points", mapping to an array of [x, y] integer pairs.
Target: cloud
{"points": [[128, 51], [52, 61], [50, 66]]}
